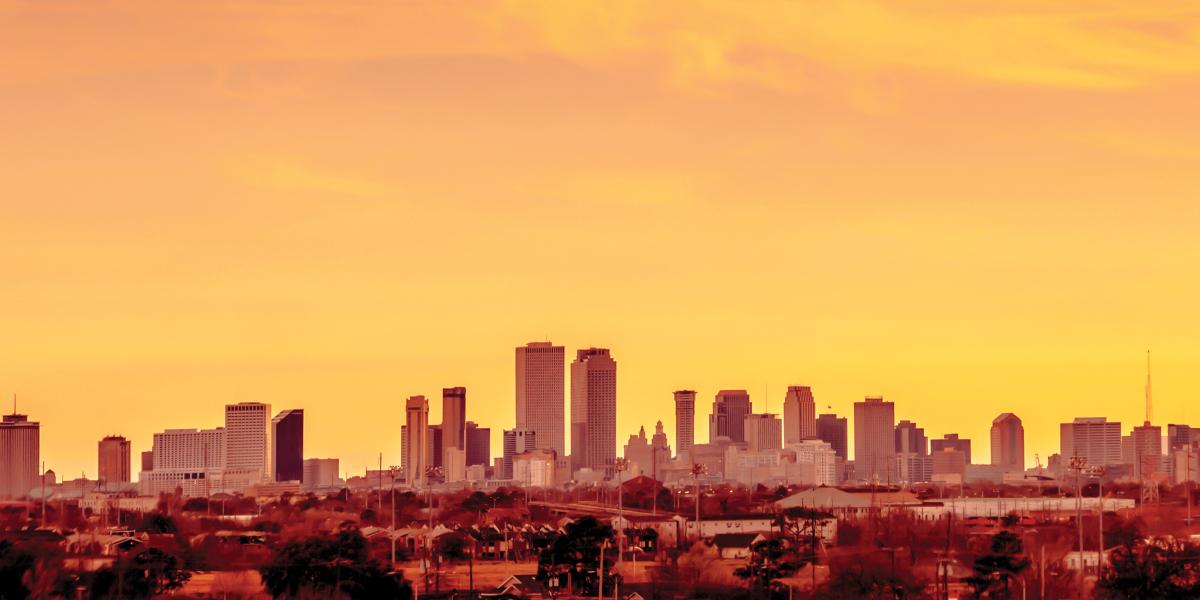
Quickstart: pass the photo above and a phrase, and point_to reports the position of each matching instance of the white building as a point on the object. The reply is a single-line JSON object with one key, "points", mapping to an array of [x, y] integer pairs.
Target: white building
{"points": [[764, 431], [190, 459], [1095, 439], [247, 443], [541, 393], [535, 468], [823, 458]]}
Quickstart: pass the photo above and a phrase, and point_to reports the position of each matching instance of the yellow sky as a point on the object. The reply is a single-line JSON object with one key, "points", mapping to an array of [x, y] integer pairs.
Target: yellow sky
{"points": [[966, 207]]}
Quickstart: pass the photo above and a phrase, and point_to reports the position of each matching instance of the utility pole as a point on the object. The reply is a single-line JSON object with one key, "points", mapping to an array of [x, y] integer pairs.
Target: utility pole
{"points": [[1076, 465], [697, 471], [620, 465], [1099, 472], [393, 470]]}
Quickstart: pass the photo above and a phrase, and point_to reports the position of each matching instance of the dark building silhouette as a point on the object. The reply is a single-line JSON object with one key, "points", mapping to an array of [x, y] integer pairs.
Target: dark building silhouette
{"points": [[287, 445], [951, 440], [147, 460], [833, 430], [479, 445]]}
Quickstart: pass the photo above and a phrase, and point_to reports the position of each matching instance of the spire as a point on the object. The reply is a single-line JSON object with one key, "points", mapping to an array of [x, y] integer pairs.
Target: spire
{"points": [[1149, 405]]}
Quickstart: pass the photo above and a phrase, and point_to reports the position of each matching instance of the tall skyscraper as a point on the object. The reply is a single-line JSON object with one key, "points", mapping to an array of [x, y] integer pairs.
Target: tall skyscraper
{"points": [[189, 459], [951, 440], [874, 440], [541, 393], [516, 441], [247, 439], [728, 417], [799, 414], [114, 461], [763, 432], [20, 441], [454, 418], [1095, 439], [833, 429], [1008, 443], [479, 445], [685, 422], [594, 410], [416, 443], [287, 445]]}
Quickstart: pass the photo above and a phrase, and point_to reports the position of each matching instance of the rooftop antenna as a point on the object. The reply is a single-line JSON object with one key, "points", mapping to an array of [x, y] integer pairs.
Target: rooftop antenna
{"points": [[1149, 411]]}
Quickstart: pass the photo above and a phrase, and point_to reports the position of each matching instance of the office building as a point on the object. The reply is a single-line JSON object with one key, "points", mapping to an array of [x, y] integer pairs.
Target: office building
{"points": [[479, 445], [1147, 450], [287, 445], [951, 440], [834, 430], [1008, 443], [728, 418], [874, 440], [247, 441], [541, 393], [799, 414], [20, 448], [320, 474], [594, 410], [949, 465], [191, 460], [821, 455], [763, 432], [1094, 439], [912, 451], [534, 468], [147, 460], [416, 443], [114, 462], [516, 441], [685, 422], [454, 419]]}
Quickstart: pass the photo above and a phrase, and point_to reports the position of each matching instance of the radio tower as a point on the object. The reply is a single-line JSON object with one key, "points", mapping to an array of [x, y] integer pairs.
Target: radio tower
{"points": [[1149, 486], [1149, 409]]}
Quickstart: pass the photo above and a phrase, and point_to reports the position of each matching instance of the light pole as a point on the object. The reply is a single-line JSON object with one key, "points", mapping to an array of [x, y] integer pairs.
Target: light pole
{"points": [[620, 466], [697, 471], [393, 470], [1098, 473], [430, 473], [1077, 464]]}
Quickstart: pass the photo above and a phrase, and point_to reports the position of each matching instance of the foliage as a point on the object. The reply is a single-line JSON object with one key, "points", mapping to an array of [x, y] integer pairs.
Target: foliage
{"points": [[1152, 570], [769, 561], [323, 566], [994, 571], [578, 551], [143, 575], [870, 576]]}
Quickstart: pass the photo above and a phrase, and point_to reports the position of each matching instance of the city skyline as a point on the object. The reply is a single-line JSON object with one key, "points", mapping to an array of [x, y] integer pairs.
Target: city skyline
{"points": [[496, 447]]}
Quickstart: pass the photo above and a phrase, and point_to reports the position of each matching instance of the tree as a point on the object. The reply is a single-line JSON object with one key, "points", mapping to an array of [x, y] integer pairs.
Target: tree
{"points": [[769, 561], [142, 575], [870, 576], [331, 567], [994, 571], [577, 551], [1159, 569]]}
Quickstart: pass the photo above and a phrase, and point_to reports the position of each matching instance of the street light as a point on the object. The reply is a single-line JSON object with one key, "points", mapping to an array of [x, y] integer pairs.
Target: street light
{"points": [[1098, 473], [697, 471], [620, 466], [430, 473]]}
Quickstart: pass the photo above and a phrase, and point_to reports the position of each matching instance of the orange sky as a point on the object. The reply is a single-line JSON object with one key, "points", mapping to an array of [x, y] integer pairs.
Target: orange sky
{"points": [[332, 206]]}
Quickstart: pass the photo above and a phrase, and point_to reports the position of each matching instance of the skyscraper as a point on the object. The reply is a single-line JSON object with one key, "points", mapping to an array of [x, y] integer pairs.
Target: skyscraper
{"points": [[114, 461], [479, 445], [190, 459], [1008, 443], [541, 393], [1095, 439], [594, 410], [247, 440], [516, 441], [833, 429], [454, 418], [799, 414], [287, 445], [951, 440], [912, 452], [874, 440], [1147, 450], [416, 443], [20, 441], [728, 417], [763, 432], [685, 422]]}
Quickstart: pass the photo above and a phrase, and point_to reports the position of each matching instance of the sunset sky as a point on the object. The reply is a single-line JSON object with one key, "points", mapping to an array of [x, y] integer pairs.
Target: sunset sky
{"points": [[966, 207]]}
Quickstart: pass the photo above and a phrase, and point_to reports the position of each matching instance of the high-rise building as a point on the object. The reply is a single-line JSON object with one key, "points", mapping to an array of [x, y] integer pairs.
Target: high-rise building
{"points": [[763, 432], [685, 422], [541, 393], [1008, 443], [192, 460], [147, 460], [287, 445], [823, 458], [594, 410], [247, 440], [1181, 436], [1095, 439], [516, 441], [320, 473], [114, 461], [416, 444], [434, 449], [951, 440], [912, 450], [799, 414], [454, 419], [20, 441], [949, 465], [874, 440], [1147, 450], [728, 418], [833, 429], [479, 445]]}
